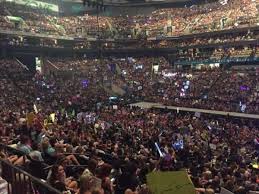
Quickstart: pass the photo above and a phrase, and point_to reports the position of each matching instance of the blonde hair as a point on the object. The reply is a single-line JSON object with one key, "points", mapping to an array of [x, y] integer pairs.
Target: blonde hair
{"points": [[89, 183], [209, 191]]}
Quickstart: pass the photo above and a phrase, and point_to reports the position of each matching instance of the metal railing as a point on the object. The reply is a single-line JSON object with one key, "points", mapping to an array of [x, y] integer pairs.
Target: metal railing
{"points": [[21, 182], [11, 150]]}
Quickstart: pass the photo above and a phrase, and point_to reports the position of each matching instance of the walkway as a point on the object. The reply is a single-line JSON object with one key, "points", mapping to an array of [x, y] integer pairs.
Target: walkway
{"points": [[196, 110]]}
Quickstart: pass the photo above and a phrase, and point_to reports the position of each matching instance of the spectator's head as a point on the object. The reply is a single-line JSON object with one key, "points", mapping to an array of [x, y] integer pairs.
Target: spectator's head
{"points": [[90, 185], [69, 149], [52, 141], [144, 190], [57, 174], [45, 144], [240, 190], [24, 139], [92, 165], [104, 170]]}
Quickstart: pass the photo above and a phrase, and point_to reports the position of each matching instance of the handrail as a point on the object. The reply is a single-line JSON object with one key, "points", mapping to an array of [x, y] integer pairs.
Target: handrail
{"points": [[77, 166], [13, 178], [52, 64], [21, 64], [9, 148]]}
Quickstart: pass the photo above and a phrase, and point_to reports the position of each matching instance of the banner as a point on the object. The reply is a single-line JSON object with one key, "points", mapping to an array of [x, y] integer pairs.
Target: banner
{"points": [[30, 118], [52, 117], [36, 4], [197, 114], [176, 182], [223, 23], [255, 166], [15, 19], [35, 108]]}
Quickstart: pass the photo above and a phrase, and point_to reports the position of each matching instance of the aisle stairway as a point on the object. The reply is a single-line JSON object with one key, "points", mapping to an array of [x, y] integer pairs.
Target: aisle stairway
{"points": [[117, 90], [108, 90]]}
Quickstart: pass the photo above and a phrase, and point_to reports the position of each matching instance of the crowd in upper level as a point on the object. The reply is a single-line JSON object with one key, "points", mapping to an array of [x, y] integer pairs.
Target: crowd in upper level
{"points": [[161, 22]]}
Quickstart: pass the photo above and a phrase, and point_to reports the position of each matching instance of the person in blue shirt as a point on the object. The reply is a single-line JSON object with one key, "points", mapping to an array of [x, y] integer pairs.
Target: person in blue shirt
{"points": [[23, 145]]}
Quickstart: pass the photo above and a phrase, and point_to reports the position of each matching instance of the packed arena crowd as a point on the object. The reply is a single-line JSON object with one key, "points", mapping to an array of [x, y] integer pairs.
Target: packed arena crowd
{"points": [[156, 80], [77, 141], [72, 124]]}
